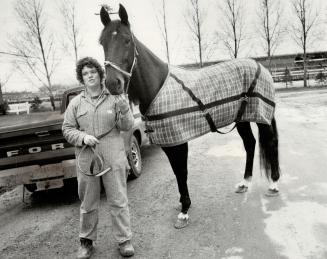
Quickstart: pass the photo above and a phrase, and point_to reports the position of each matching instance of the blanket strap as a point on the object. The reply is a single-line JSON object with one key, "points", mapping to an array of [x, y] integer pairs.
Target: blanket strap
{"points": [[245, 96], [207, 115], [198, 101]]}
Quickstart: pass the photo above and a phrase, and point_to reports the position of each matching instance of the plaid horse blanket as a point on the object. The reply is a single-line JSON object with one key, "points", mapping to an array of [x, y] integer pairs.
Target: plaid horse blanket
{"points": [[175, 117]]}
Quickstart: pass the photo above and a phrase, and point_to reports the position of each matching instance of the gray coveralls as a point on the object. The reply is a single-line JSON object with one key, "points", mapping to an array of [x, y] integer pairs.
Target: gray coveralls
{"points": [[85, 117]]}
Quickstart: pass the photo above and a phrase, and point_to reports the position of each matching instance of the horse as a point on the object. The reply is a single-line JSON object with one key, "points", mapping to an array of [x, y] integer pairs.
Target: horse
{"points": [[132, 68]]}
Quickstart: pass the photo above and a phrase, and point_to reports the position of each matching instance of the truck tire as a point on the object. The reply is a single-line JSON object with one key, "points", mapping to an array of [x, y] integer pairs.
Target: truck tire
{"points": [[71, 183], [30, 187], [134, 158]]}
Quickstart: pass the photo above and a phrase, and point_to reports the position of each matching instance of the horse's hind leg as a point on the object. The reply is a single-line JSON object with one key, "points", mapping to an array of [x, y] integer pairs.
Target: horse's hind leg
{"points": [[245, 131], [177, 156], [268, 140]]}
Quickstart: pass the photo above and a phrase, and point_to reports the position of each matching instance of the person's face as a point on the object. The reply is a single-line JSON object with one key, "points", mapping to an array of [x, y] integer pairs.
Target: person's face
{"points": [[91, 77]]}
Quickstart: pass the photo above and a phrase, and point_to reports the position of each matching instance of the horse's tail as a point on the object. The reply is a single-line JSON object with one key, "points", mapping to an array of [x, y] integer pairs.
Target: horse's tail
{"points": [[268, 142]]}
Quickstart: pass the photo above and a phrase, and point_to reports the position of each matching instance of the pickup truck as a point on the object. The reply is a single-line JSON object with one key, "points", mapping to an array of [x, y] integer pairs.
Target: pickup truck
{"points": [[37, 156]]}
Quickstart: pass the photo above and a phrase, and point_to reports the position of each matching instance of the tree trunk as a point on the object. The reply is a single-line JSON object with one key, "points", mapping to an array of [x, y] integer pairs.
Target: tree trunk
{"points": [[1, 96], [305, 84], [3, 108], [52, 101]]}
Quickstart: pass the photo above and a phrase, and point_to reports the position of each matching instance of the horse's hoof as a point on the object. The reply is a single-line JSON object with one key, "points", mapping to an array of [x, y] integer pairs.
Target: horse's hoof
{"points": [[241, 189], [272, 192], [182, 221]]}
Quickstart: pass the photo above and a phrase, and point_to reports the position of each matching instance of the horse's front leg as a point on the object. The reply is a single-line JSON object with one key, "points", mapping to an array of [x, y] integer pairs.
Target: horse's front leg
{"points": [[177, 156]]}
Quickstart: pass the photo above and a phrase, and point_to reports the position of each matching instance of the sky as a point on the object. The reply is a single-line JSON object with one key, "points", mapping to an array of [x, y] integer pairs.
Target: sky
{"points": [[143, 18]]}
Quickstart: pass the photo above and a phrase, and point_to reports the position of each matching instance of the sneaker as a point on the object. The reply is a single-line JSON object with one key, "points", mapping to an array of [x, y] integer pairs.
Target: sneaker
{"points": [[126, 249], [86, 249]]}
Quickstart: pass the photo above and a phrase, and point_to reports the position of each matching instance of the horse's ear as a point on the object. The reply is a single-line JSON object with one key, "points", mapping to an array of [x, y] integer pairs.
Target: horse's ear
{"points": [[105, 19], [123, 14]]}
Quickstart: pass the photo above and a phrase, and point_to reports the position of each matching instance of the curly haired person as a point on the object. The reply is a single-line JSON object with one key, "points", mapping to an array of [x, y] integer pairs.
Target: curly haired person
{"points": [[93, 122]]}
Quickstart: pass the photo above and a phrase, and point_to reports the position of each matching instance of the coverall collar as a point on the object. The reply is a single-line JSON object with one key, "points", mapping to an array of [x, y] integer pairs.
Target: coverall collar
{"points": [[101, 96]]}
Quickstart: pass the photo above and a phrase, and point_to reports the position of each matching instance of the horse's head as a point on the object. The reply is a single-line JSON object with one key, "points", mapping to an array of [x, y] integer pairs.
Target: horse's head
{"points": [[119, 50]]}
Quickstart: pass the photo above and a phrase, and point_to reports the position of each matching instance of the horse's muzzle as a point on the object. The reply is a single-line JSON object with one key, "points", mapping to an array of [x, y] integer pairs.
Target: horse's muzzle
{"points": [[115, 89]]}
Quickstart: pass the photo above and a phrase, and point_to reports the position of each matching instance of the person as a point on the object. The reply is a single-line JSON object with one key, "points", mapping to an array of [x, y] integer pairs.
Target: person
{"points": [[92, 123]]}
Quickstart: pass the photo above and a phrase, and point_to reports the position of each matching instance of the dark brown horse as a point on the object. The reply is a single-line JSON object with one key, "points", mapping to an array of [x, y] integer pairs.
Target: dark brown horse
{"points": [[133, 68]]}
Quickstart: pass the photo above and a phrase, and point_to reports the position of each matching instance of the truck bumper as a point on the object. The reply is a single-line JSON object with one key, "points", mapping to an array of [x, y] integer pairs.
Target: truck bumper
{"points": [[45, 177]]}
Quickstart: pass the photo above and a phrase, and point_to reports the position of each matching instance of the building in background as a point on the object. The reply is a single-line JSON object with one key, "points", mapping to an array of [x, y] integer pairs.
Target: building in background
{"points": [[288, 67], [281, 65]]}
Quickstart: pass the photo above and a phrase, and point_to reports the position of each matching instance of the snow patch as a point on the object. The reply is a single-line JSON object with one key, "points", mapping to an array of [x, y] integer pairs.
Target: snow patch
{"points": [[293, 228], [317, 189], [234, 250], [287, 178], [233, 148], [230, 252]]}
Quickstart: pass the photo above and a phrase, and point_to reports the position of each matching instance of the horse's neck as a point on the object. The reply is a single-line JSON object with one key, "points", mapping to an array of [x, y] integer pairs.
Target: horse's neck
{"points": [[148, 76]]}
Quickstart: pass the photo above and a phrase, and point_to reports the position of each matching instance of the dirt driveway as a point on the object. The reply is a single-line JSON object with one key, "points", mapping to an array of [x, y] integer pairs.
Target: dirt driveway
{"points": [[223, 224]]}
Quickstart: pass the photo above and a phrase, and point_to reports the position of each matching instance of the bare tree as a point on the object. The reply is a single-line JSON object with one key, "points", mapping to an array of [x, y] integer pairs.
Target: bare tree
{"points": [[305, 30], [2, 103], [1, 95], [233, 32], [3, 82], [195, 17], [162, 22], [34, 45], [270, 26], [68, 11]]}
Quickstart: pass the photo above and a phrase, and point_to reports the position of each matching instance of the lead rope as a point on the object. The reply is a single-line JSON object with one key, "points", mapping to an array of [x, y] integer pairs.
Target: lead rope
{"points": [[97, 158]]}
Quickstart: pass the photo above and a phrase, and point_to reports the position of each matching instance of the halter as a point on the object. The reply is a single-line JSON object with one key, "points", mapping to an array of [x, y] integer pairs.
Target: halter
{"points": [[124, 72]]}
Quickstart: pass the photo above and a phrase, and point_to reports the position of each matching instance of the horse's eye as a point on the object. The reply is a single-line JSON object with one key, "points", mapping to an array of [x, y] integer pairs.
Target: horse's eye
{"points": [[127, 41]]}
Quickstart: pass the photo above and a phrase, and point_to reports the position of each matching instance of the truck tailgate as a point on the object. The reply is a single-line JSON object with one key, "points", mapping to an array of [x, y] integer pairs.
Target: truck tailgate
{"points": [[35, 144]]}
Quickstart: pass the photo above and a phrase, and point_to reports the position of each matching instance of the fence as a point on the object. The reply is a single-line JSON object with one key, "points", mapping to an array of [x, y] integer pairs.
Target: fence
{"points": [[19, 107]]}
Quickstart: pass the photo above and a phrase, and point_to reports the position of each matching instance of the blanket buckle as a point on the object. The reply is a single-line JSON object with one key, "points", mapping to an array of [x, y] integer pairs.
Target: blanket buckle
{"points": [[205, 111], [245, 98], [148, 130]]}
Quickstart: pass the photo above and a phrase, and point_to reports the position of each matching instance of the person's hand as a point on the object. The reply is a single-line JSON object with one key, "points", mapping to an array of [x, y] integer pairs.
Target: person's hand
{"points": [[122, 103], [90, 140]]}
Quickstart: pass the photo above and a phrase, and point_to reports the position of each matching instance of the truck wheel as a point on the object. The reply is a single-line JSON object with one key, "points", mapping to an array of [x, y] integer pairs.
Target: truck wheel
{"points": [[71, 184], [30, 187], [134, 158]]}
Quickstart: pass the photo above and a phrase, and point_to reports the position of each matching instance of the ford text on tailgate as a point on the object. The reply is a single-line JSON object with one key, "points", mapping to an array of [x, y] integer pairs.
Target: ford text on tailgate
{"points": [[35, 155]]}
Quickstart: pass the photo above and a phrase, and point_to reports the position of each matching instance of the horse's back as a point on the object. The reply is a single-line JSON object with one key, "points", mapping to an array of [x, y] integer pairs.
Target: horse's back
{"points": [[226, 79]]}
